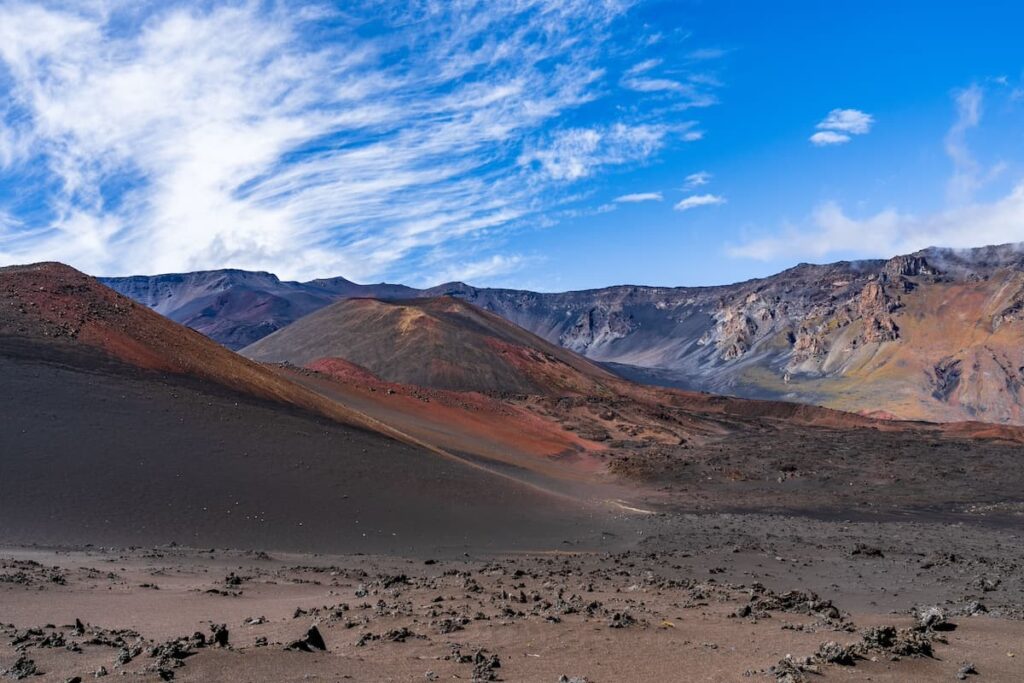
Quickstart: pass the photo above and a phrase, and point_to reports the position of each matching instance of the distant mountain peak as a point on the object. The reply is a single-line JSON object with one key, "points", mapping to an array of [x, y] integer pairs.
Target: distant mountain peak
{"points": [[877, 334]]}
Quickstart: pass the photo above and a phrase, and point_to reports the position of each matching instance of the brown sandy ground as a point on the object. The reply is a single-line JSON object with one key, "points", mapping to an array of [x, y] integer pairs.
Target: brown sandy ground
{"points": [[711, 597]]}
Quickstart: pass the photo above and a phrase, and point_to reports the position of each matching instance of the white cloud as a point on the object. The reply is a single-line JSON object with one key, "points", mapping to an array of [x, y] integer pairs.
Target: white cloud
{"points": [[229, 134], [495, 265], [707, 53], [639, 197], [839, 125], [830, 231], [828, 137], [694, 201], [643, 66], [655, 85], [966, 177], [695, 180], [848, 121], [889, 232], [969, 175], [690, 91], [578, 153]]}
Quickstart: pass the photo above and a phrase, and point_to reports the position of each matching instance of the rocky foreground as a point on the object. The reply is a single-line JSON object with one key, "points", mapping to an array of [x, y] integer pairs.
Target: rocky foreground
{"points": [[691, 597]]}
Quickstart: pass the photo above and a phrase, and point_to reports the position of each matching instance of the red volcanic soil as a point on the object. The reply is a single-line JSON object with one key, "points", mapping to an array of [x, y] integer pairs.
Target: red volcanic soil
{"points": [[444, 343], [468, 423], [984, 430], [346, 371]]}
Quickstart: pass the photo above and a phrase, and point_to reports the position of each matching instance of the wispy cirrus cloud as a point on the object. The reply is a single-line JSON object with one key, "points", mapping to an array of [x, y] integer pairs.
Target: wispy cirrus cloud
{"points": [[671, 78], [579, 152], [968, 174], [698, 200], [707, 53], [639, 197], [299, 138], [495, 265], [644, 66], [695, 180]]}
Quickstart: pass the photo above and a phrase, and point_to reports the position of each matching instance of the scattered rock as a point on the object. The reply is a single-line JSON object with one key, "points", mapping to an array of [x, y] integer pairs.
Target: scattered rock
{"points": [[220, 634], [788, 671], [879, 637], [53, 639], [621, 620], [933, 619], [912, 644], [986, 584], [865, 550], [128, 653], [973, 607], [366, 638], [484, 666], [22, 668], [399, 635], [313, 640], [966, 669], [834, 653]]}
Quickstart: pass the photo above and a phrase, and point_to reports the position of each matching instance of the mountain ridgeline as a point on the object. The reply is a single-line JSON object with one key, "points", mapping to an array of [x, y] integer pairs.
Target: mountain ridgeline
{"points": [[936, 335]]}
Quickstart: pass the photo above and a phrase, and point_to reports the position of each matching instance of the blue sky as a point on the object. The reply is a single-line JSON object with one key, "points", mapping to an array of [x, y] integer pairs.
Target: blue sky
{"points": [[547, 144]]}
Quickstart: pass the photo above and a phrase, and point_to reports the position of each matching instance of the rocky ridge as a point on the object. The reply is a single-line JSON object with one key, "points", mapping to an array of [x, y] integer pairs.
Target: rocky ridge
{"points": [[931, 335]]}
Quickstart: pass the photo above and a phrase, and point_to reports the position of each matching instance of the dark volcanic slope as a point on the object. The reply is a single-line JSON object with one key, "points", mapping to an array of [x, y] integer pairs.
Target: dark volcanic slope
{"points": [[107, 458], [439, 342], [123, 427]]}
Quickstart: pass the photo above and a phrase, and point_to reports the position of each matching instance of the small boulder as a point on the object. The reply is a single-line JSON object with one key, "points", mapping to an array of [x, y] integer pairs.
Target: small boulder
{"points": [[220, 634], [313, 640], [966, 669], [832, 652], [22, 668], [933, 619]]}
